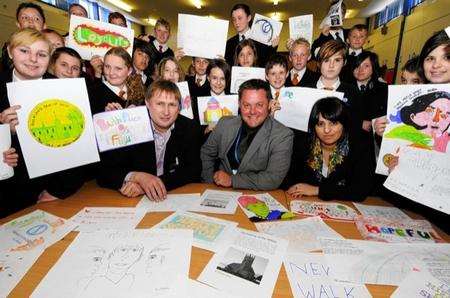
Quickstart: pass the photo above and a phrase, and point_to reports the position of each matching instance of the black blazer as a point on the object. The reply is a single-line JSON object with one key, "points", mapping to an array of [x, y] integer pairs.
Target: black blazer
{"points": [[195, 92], [264, 51], [156, 55], [182, 163], [351, 180], [309, 77], [318, 42], [100, 95]]}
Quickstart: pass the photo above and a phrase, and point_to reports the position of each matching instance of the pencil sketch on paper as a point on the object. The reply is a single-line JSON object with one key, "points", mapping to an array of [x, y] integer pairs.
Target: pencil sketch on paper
{"points": [[265, 29]]}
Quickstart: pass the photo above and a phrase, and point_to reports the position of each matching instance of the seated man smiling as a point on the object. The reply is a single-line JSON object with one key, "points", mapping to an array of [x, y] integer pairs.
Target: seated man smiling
{"points": [[253, 151]]}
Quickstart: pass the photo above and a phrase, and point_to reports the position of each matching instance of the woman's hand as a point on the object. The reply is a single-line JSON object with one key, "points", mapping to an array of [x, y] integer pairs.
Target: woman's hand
{"points": [[97, 64], [10, 157], [112, 106], [302, 189]]}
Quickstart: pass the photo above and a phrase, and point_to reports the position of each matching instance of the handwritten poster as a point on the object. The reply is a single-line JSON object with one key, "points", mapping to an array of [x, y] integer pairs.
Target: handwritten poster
{"points": [[335, 211], [241, 74], [186, 100], [422, 284], [334, 16], [212, 108], [391, 213], [90, 37], [301, 26], [265, 29], [121, 128], [201, 36], [296, 104], [55, 127], [173, 202], [417, 118], [5, 143]]}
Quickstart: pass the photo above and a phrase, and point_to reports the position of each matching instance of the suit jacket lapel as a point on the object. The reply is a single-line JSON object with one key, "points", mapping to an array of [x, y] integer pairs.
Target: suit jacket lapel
{"points": [[231, 134], [260, 138]]}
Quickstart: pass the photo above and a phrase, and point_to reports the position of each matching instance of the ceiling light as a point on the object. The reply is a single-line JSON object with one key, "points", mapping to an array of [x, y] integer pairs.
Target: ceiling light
{"points": [[275, 2], [151, 21], [197, 3], [276, 16], [122, 5]]}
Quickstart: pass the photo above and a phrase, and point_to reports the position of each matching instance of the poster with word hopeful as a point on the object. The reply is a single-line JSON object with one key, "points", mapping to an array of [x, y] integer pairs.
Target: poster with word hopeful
{"points": [[121, 128], [90, 37], [55, 128]]}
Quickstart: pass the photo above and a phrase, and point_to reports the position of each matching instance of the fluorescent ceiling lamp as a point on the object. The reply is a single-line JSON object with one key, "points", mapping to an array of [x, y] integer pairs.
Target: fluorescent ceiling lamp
{"points": [[374, 7], [151, 21], [197, 3], [275, 2], [276, 16], [122, 5]]}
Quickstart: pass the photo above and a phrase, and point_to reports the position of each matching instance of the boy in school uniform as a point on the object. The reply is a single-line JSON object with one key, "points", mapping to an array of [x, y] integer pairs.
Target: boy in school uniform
{"points": [[198, 83], [299, 54], [276, 74]]}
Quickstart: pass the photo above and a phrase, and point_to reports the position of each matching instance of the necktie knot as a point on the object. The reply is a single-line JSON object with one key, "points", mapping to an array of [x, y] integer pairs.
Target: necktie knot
{"points": [[295, 79], [353, 53], [242, 37], [363, 87], [277, 94], [160, 49], [199, 82], [121, 93]]}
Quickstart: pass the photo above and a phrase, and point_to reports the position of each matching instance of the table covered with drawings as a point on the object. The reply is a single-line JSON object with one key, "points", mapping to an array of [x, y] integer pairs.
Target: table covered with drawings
{"points": [[219, 243]]}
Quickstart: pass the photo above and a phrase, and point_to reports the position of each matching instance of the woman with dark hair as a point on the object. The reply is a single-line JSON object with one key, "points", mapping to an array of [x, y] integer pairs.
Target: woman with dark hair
{"points": [[65, 63], [330, 161], [245, 54], [435, 58]]}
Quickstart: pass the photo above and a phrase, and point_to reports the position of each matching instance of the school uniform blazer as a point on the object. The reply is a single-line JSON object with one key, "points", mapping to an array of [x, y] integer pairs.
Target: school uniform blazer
{"points": [[309, 77], [156, 56], [264, 165], [196, 91], [264, 51], [181, 159], [318, 42], [351, 180], [100, 95]]}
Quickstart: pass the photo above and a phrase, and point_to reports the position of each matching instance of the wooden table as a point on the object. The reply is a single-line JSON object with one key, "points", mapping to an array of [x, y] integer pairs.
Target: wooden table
{"points": [[93, 196]]}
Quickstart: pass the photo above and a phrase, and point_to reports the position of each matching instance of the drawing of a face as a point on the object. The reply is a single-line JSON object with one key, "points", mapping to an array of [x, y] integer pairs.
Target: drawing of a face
{"points": [[435, 118], [30, 61], [216, 78], [156, 258], [246, 57], [115, 70], [240, 20], [96, 256], [124, 256]]}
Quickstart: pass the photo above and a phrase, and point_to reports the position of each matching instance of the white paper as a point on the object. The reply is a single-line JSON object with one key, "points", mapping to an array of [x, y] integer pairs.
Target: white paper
{"points": [[212, 108], [138, 263], [33, 231], [13, 266], [55, 127], [421, 284], [310, 276], [248, 266], [122, 128], [406, 107], [334, 211], [174, 202], [199, 290], [301, 26], [107, 218], [447, 30], [391, 213], [186, 100], [303, 234], [210, 233], [296, 104], [380, 263], [5, 143], [334, 16], [218, 201], [202, 36], [265, 29], [271, 208], [90, 37], [422, 176], [241, 74]]}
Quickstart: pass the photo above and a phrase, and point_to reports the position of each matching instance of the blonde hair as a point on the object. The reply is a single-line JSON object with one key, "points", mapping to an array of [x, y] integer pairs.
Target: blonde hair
{"points": [[121, 53], [162, 65], [27, 37], [300, 42]]}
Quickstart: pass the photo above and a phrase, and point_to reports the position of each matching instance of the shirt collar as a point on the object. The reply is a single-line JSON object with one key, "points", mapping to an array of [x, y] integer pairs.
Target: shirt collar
{"points": [[357, 51], [300, 73], [273, 91], [221, 94], [202, 78], [340, 31], [143, 75], [320, 84], [246, 34], [157, 44], [114, 89], [15, 78], [155, 131]]}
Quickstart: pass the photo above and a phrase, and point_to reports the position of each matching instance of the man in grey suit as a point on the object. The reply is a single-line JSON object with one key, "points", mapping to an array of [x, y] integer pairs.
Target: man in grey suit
{"points": [[253, 151]]}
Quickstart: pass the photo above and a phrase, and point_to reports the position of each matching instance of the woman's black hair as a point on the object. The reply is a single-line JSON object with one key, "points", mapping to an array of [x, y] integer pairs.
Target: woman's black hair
{"points": [[223, 66], [413, 66], [332, 109], [65, 50], [419, 104], [373, 58], [438, 39]]}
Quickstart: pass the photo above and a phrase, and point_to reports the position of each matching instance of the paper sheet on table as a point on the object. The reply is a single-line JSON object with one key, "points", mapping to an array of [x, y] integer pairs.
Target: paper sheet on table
{"points": [[210, 233], [371, 262], [212, 108], [411, 112], [265, 29], [55, 127], [392, 213], [261, 207], [107, 218], [32, 231], [218, 201], [309, 274], [334, 211], [248, 266], [13, 267], [122, 128], [5, 143], [303, 234], [422, 176], [90, 37], [174, 202], [241, 74], [137, 263], [334, 16], [422, 284], [296, 104], [301, 26], [186, 100], [202, 36], [199, 290]]}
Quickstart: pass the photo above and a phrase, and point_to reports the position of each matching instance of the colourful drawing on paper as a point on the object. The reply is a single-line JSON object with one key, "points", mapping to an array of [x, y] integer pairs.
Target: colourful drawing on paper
{"points": [[335, 211], [203, 230], [186, 102], [261, 210], [90, 36], [214, 111], [56, 123]]}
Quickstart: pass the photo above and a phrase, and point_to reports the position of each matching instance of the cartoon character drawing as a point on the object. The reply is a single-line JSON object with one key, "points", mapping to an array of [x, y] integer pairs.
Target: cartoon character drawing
{"points": [[214, 111]]}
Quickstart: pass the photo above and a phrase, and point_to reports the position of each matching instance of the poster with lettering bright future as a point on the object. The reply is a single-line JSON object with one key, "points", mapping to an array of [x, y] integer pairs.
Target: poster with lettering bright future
{"points": [[90, 37]]}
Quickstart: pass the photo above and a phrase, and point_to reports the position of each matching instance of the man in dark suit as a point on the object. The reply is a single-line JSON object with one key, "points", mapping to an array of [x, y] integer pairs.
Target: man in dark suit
{"points": [[241, 18], [300, 75], [170, 161], [198, 84]]}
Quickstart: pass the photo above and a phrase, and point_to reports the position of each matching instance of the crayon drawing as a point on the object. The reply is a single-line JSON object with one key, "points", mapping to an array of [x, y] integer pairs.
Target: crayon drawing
{"points": [[212, 108], [265, 29]]}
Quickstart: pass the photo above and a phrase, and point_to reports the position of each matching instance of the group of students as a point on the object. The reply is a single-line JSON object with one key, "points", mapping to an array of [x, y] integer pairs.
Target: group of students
{"points": [[335, 159]]}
